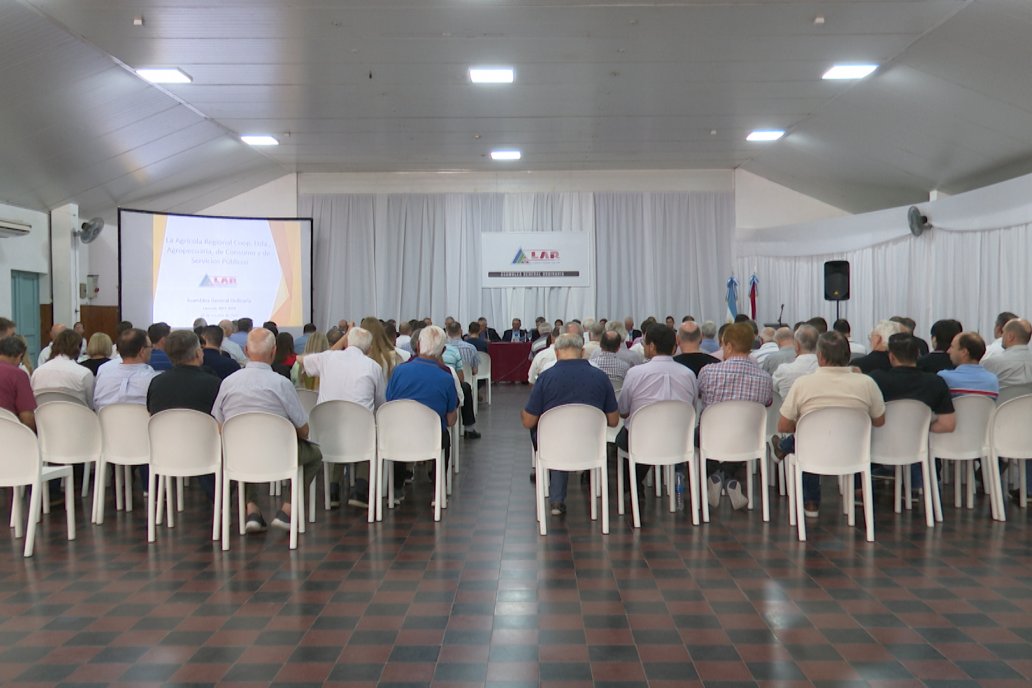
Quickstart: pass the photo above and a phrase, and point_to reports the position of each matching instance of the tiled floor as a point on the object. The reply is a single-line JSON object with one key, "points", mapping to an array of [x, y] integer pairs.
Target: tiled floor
{"points": [[481, 599]]}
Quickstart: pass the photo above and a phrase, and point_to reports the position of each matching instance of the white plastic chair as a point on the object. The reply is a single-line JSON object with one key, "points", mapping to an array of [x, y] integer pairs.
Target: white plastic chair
{"points": [[69, 433], [734, 431], [406, 430], [901, 442], [124, 443], [45, 396], [664, 436], [831, 441], [183, 443], [778, 472], [968, 443], [261, 448], [21, 467], [7, 415], [346, 434], [1010, 437], [309, 398], [484, 373], [572, 437]]}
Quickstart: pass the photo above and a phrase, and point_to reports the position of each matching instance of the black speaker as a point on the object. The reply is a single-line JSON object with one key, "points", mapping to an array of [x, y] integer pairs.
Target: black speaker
{"points": [[836, 280]]}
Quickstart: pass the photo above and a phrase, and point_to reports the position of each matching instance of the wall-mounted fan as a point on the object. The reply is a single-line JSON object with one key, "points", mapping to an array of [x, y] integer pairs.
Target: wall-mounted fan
{"points": [[918, 221], [90, 230]]}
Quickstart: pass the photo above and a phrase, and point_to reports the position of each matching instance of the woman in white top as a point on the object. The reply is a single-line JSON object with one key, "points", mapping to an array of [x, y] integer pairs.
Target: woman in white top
{"points": [[62, 373]]}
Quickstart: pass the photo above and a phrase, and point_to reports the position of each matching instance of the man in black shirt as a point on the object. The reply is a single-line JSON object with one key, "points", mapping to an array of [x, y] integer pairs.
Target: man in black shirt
{"points": [[878, 359], [186, 385], [943, 332], [689, 341], [216, 360]]}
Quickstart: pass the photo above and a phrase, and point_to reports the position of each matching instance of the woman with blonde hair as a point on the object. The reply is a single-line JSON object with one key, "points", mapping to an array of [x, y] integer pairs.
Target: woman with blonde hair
{"points": [[316, 344], [382, 351], [98, 352]]}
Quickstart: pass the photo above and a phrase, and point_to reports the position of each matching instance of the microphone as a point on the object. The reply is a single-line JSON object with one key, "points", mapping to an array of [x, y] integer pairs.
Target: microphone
{"points": [[780, 314]]}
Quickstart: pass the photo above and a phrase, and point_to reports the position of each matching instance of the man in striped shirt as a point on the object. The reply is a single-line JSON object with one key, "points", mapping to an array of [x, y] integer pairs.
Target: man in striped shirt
{"points": [[969, 377]]}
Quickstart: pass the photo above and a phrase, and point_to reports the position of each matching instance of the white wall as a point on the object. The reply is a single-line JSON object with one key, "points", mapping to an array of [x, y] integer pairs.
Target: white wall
{"points": [[29, 253], [762, 203], [278, 198]]}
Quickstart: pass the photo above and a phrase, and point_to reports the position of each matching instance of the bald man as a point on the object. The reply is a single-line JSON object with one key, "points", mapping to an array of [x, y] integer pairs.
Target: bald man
{"points": [[1014, 365]]}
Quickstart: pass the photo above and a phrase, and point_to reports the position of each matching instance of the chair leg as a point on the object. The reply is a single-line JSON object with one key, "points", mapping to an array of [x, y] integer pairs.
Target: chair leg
{"points": [[86, 478], [299, 505], [865, 483], [160, 509], [373, 490], [929, 486], [120, 472], [797, 489], [898, 490], [958, 472], [1022, 485], [227, 504], [17, 500], [438, 487], [936, 492], [693, 482], [240, 508], [635, 502], [991, 475], [128, 470], [152, 506], [671, 479], [764, 491], [378, 485], [539, 486], [658, 482], [216, 519], [790, 476], [34, 507], [98, 491], [848, 499], [169, 506], [70, 505], [311, 502], [296, 515], [703, 480], [179, 494], [908, 488], [620, 456], [603, 479], [749, 485], [326, 485]]}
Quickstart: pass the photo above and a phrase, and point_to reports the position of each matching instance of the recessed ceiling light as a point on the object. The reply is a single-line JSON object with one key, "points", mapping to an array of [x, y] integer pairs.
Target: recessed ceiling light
{"points": [[259, 140], [491, 75], [850, 71], [506, 155], [765, 135], [164, 75]]}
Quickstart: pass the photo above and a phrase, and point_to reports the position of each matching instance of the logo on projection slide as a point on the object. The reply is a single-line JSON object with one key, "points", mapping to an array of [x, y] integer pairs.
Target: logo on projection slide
{"points": [[535, 255], [218, 281]]}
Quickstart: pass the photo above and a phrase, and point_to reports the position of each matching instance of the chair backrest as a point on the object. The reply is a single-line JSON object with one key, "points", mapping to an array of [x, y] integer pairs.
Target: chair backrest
{"points": [[21, 462], [68, 432], [1010, 431], [663, 433], [904, 437], [309, 398], [407, 431], [259, 448], [773, 413], [969, 439], [484, 366], [123, 431], [184, 442], [572, 437], [733, 431], [345, 431], [46, 396], [834, 441], [7, 415], [1013, 392]]}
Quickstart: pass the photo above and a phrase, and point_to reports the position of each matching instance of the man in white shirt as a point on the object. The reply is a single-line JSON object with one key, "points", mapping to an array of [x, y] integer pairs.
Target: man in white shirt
{"points": [[767, 345], [228, 345], [805, 361], [45, 354], [842, 327], [661, 378], [1013, 366], [785, 340], [62, 373], [996, 347], [126, 381]]}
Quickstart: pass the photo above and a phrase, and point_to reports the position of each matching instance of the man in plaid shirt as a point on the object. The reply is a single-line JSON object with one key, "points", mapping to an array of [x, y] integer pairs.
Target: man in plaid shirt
{"points": [[470, 361], [606, 360], [736, 378]]}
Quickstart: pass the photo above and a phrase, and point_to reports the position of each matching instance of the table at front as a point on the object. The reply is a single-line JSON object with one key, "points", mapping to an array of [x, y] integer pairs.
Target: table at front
{"points": [[510, 361]]}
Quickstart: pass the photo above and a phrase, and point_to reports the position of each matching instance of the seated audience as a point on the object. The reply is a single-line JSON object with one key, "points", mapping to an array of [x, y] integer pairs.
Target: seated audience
{"points": [[489, 332], [306, 331], [284, 360], [609, 362], [381, 350], [470, 363], [15, 389], [230, 346], [572, 380], [1013, 367], [405, 335], [126, 381], [98, 352], [968, 377], [689, 341], [736, 378], [785, 339], [767, 345], [215, 359], [996, 347], [709, 337], [159, 360], [631, 333], [906, 381], [805, 361], [516, 333], [842, 327], [271, 327], [258, 388], [62, 373], [592, 334], [910, 326], [317, 343], [474, 337], [241, 330], [45, 354], [943, 332], [878, 358]]}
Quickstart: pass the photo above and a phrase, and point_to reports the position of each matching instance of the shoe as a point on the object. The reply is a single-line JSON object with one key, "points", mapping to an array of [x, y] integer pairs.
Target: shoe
{"points": [[334, 496], [811, 509], [361, 504], [409, 475], [735, 494], [558, 509], [471, 435], [713, 487], [255, 524], [281, 521], [775, 447]]}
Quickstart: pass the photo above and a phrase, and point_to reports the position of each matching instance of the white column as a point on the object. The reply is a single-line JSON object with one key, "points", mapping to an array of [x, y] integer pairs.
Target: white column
{"points": [[64, 263]]}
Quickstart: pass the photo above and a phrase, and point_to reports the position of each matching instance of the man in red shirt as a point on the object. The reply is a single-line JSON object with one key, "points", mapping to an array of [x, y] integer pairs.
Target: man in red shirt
{"points": [[15, 390]]}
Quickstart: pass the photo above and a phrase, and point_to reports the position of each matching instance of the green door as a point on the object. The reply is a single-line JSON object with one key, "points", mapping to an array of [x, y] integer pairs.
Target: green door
{"points": [[25, 307]]}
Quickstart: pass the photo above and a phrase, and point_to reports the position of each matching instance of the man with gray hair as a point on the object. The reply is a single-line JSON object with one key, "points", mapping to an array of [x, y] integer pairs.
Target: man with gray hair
{"points": [[709, 337], [805, 361], [607, 360], [228, 345], [878, 359], [572, 380], [593, 329], [1014, 365], [785, 340], [767, 345], [424, 378], [258, 388]]}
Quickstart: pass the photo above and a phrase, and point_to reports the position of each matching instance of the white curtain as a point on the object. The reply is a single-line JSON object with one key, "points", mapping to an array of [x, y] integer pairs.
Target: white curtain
{"points": [[967, 275], [416, 255]]}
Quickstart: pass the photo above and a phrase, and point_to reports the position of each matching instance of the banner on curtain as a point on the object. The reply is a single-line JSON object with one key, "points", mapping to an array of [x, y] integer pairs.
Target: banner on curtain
{"points": [[535, 259]]}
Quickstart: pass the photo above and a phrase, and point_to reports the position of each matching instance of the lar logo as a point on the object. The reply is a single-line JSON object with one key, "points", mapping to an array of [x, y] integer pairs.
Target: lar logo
{"points": [[535, 255], [218, 281]]}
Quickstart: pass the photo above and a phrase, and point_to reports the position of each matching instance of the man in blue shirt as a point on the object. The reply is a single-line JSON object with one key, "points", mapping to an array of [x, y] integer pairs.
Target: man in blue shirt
{"points": [[968, 376], [159, 360], [424, 378], [572, 380], [220, 363]]}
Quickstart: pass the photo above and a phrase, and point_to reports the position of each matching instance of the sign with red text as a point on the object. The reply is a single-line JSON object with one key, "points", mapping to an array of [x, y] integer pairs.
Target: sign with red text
{"points": [[535, 259]]}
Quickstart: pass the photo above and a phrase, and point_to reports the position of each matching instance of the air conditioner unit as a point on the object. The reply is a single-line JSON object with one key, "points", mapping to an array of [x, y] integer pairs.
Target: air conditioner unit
{"points": [[10, 228]]}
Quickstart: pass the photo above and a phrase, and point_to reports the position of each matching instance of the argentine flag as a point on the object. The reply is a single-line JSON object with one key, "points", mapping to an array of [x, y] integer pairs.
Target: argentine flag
{"points": [[732, 298]]}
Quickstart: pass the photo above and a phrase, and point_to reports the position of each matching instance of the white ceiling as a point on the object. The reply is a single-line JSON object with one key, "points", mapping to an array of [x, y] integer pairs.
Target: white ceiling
{"points": [[381, 85]]}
